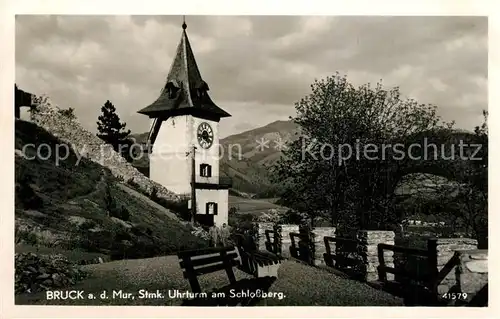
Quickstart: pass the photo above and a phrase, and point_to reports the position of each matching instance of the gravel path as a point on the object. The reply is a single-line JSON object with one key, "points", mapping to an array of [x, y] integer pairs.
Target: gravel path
{"points": [[302, 285]]}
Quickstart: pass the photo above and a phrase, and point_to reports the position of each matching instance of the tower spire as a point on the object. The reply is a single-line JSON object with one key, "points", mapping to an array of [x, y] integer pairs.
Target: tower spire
{"points": [[184, 25], [184, 90]]}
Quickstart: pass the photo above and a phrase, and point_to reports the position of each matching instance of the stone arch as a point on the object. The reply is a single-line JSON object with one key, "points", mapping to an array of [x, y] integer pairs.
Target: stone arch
{"points": [[455, 155]]}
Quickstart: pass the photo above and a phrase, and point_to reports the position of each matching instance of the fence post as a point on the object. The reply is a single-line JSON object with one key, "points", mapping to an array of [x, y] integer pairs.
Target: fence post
{"points": [[368, 241], [382, 274], [433, 264], [328, 252], [277, 239]]}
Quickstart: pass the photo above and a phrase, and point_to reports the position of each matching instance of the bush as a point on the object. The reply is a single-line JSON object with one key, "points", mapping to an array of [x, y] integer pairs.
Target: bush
{"points": [[109, 200], [112, 208], [25, 235], [69, 113], [132, 183], [87, 224], [180, 208], [242, 223], [25, 194], [142, 230], [154, 194], [35, 273], [124, 214], [294, 217]]}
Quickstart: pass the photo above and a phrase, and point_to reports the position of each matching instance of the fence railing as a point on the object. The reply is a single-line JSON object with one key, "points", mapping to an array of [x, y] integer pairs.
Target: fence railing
{"points": [[300, 246], [346, 253], [415, 270], [429, 276]]}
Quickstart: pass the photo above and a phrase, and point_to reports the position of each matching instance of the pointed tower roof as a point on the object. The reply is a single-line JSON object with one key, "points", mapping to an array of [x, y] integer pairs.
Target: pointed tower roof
{"points": [[184, 92]]}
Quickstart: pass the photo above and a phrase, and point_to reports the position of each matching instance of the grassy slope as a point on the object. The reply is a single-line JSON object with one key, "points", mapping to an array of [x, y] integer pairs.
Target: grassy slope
{"points": [[246, 205], [302, 285], [73, 193]]}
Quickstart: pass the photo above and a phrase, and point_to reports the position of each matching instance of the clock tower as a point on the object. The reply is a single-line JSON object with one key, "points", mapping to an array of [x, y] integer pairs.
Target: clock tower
{"points": [[183, 141]]}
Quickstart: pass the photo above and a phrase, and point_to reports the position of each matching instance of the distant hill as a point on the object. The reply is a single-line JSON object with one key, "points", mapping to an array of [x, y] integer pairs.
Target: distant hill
{"points": [[244, 161], [248, 156]]}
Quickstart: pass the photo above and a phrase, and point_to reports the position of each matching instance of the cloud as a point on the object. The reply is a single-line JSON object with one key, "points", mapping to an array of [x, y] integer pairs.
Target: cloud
{"points": [[257, 67]]}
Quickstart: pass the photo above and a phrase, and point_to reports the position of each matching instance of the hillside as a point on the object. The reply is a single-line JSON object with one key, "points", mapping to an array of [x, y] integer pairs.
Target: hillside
{"points": [[75, 204], [244, 161]]}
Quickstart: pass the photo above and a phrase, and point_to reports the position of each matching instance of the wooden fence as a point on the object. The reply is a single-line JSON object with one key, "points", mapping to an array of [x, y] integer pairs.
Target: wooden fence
{"points": [[429, 276], [345, 254], [271, 241], [300, 247], [415, 270]]}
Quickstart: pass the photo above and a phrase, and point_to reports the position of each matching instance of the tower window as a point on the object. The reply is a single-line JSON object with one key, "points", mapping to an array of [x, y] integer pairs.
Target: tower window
{"points": [[202, 89], [205, 170], [211, 208], [172, 89]]}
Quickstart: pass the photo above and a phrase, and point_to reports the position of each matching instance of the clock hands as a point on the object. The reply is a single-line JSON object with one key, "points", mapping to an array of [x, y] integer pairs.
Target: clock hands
{"points": [[205, 135]]}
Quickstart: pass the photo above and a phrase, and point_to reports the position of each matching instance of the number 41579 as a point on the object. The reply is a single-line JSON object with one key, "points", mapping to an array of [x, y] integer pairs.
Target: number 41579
{"points": [[455, 295]]}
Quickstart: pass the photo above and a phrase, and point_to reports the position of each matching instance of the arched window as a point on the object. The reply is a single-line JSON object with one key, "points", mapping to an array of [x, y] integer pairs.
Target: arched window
{"points": [[201, 89], [172, 88], [211, 208], [205, 170]]}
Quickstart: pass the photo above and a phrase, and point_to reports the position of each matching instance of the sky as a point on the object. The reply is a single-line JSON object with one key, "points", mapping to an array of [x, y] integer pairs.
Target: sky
{"points": [[257, 67]]}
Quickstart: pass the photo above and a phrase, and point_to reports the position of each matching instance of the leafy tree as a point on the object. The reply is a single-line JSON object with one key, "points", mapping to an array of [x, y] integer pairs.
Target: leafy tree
{"points": [[316, 170], [112, 130], [474, 194]]}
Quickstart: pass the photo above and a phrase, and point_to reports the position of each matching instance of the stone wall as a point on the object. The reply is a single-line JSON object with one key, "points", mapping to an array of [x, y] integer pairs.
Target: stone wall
{"points": [[472, 273], [446, 248], [317, 237], [90, 146], [367, 247]]}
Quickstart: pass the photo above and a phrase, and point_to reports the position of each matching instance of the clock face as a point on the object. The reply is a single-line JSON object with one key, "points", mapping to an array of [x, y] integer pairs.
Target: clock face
{"points": [[205, 135]]}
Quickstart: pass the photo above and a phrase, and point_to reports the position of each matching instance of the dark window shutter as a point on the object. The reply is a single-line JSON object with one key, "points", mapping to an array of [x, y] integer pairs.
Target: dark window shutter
{"points": [[215, 208], [209, 171], [207, 208]]}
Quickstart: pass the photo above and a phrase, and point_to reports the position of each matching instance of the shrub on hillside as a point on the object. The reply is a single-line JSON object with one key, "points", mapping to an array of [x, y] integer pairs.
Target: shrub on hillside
{"points": [[25, 194], [87, 224], [34, 273], [113, 209], [180, 208], [124, 214], [141, 230], [69, 113], [25, 235], [154, 194], [133, 184]]}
